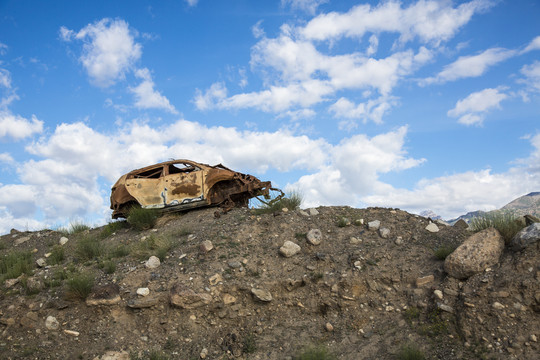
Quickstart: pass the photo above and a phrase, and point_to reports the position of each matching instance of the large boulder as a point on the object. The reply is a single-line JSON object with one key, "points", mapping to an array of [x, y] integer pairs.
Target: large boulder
{"points": [[477, 253], [525, 237]]}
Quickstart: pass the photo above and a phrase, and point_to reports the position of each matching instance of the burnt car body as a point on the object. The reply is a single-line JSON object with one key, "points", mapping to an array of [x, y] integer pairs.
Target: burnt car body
{"points": [[184, 184]]}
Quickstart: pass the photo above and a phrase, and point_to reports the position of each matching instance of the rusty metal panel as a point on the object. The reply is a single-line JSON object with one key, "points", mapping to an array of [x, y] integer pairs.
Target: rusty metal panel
{"points": [[148, 192], [184, 188]]}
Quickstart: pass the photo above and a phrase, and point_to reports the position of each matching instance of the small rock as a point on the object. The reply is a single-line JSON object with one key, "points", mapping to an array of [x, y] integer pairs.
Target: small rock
{"points": [[143, 302], [184, 297], [51, 323], [446, 308], [399, 240], [329, 327], [432, 227], [438, 294], [533, 338], [228, 299], [71, 333], [41, 262], [289, 249], [313, 212], [498, 305], [314, 236], [204, 353], [205, 246], [115, 355], [526, 237], [461, 224], [359, 222], [63, 240], [262, 294], [355, 241], [11, 282], [421, 281], [143, 291], [303, 213], [234, 264], [384, 233], [215, 279], [21, 240], [153, 262], [108, 294], [374, 225]]}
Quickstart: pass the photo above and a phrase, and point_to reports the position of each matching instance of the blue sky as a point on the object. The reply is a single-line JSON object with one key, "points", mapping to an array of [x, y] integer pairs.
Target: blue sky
{"points": [[411, 104]]}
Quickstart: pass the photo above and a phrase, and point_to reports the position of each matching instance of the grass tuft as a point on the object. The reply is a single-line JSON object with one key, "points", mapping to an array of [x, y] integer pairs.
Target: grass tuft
{"points": [[411, 352], [291, 201], [153, 245], [80, 285], [316, 353], [75, 227], [112, 227], [88, 248], [443, 251], [14, 264], [57, 255], [505, 222], [142, 219]]}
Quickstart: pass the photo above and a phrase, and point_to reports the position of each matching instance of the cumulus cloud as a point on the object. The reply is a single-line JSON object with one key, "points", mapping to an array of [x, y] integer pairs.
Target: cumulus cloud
{"points": [[6, 158], [5, 79], [471, 110], [471, 66], [192, 2], [309, 6], [109, 50], [18, 127], [147, 97], [373, 110], [430, 21]]}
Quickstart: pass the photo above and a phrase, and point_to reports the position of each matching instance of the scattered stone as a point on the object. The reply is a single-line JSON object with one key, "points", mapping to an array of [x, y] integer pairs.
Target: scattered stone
{"points": [[152, 262], [204, 353], [143, 291], [11, 282], [206, 246], [384, 233], [432, 227], [312, 212], [41, 262], [234, 264], [184, 297], [374, 225], [51, 323], [446, 308], [424, 280], [228, 299], [115, 355], [262, 294], [498, 306], [215, 279], [63, 240], [359, 222], [526, 237], [104, 295], [22, 240], [143, 302], [533, 338], [438, 294], [329, 327], [399, 240], [477, 253], [34, 284], [71, 332], [289, 249], [355, 241], [314, 236], [461, 224]]}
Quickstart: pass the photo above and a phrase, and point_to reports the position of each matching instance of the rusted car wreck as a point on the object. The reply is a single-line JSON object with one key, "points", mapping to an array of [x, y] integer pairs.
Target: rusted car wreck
{"points": [[184, 184]]}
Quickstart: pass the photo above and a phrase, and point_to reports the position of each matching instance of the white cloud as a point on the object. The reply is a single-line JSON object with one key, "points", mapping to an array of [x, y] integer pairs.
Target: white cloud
{"points": [[6, 158], [109, 50], [532, 75], [430, 21], [471, 109], [372, 110], [533, 45], [192, 2], [5, 79], [147, 97], [310, 6], [18, 127], [472, 66], [3, 49]]}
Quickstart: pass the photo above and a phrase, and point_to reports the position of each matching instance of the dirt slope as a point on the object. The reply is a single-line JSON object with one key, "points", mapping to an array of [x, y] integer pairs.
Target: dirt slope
{"points": [[357, 294]]}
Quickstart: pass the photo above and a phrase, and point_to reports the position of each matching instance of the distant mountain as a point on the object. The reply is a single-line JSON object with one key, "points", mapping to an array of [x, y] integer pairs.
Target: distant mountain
{"points": [[430, 214], [525, 205]]}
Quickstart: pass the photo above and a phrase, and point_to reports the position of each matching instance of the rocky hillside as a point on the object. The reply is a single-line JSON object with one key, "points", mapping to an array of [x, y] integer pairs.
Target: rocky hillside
{"points": [[525, 205], [326, 283]]}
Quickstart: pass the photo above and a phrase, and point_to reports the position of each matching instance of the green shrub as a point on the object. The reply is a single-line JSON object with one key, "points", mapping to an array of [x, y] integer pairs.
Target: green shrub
{"points": [[249, 346], [316, 353], [291, 201], [112, 227], [142, 219], [343, 221], [504, 221], [88, 248], [444, 250], [14, 264], [80, 285], [57, 255], [108, 266], [118, 251], [75, 227], [153, 245], [411, 352]]}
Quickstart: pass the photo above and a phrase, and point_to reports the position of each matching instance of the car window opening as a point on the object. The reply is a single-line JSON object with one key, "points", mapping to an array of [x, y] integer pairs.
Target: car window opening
{"points": [[149, 174], [181, 168]]}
